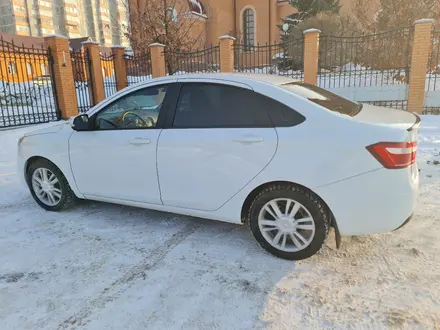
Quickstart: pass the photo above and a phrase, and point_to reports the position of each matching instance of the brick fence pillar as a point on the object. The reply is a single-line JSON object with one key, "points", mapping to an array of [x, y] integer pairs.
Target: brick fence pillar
{"points": [[311, 55], [226, 53], [63, 75], [96, 88], [419, 64], [157, 60], [120, 68]]}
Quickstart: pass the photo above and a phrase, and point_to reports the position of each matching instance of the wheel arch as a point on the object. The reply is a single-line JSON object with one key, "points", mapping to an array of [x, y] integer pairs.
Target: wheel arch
{"points": [[70, 179], [33, 159], [251, 196]]}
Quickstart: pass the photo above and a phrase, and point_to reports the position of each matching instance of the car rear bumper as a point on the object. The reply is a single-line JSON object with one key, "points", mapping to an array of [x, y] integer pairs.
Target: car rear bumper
{"points": [[375, 202]]}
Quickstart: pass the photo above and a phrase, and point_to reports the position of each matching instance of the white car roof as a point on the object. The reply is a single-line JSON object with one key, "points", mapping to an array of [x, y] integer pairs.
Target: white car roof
{"points": [[241, 77], [244, 78]]}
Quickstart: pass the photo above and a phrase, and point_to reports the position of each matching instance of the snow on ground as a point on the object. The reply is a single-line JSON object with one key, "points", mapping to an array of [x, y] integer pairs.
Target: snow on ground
{"points": [[102, 266]]}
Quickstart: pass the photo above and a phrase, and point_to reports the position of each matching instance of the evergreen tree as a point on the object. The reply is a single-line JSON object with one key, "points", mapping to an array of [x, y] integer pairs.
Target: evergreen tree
{"points": [[307, 9]]}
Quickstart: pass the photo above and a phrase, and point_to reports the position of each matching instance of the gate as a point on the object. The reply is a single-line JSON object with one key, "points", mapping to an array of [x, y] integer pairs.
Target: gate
{"points": [[370, 69], [138, 68], [82, 78], [27, 93], [108, 74], [206, 60], [285, 58]]}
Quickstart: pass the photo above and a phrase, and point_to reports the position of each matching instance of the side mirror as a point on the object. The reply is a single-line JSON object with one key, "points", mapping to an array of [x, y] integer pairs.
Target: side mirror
{"points": [[81, 123]]}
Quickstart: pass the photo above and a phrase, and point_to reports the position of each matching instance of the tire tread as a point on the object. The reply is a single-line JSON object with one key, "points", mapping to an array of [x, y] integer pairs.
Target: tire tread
{"points": [[70, 198], [323, 210]]}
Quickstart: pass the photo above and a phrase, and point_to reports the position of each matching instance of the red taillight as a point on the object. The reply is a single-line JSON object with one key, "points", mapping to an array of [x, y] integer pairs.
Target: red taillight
{"points": [[394, 155]]}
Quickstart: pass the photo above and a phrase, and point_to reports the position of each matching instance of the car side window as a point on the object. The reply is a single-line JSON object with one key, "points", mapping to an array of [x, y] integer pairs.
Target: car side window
{"points": [[280, 114], [204, 105], [137, 110]]}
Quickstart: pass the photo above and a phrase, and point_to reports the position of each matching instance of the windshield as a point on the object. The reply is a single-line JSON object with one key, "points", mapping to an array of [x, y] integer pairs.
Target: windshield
{"points": [[324, 98]]}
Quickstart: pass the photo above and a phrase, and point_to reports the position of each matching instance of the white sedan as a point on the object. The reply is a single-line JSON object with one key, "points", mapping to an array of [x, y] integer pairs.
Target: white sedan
{"points": [[288, 159]]}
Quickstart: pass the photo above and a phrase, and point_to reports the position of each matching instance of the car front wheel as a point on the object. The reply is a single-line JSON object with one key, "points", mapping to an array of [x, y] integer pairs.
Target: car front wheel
{"points": [[289, 221], [49, 187]]}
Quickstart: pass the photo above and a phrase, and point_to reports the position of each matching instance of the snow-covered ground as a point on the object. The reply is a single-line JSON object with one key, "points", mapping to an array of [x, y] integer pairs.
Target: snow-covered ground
{"points": [[102, 266]]}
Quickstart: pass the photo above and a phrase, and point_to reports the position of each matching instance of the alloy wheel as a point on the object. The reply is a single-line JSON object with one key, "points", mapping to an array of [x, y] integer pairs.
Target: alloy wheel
{"points": [[46, 186], [286, 225]]}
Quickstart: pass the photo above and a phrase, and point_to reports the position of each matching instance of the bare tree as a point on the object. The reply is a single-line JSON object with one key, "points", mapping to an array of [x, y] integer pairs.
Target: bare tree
{"points": [[169, 22], [391, 14], [392, 50], [173, 23]]}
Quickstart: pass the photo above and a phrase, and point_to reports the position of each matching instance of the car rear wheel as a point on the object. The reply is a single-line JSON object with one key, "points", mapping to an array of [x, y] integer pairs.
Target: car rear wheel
{"points": [[289, 221], [49, 187]]}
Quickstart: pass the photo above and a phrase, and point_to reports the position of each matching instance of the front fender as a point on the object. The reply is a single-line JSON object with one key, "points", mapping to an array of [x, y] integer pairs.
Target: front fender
{"points": [[52, 146]]}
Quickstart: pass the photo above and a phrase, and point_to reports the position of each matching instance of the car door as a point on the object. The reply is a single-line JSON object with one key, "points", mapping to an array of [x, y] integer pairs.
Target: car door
{"points": [[218, 141], [117, 159]]}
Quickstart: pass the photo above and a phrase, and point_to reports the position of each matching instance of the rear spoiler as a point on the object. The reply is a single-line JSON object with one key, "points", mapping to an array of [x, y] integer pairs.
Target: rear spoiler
{"points": [[416, 124]]}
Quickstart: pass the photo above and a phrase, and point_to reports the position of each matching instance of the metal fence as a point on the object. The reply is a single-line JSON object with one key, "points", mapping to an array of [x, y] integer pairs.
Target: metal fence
{"points": [[82, 78], [108, 74], [433, 76], [206, 60], [432, 86], [285, 58], [400, 105], [26, 85], [138, 68], [371, 60]]}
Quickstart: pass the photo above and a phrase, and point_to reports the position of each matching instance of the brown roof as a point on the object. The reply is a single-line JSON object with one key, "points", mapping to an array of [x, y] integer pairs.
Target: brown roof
{"points": [[38, 42], [76, 43], [22, 41]]}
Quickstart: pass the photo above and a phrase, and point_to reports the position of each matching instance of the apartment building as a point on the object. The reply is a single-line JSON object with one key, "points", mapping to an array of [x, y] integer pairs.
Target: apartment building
{"points": [[102, 20]]}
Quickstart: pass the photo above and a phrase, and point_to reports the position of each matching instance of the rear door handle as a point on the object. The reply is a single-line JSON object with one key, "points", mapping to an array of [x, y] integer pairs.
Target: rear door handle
{"points": [[249, 139], [139, 141]]}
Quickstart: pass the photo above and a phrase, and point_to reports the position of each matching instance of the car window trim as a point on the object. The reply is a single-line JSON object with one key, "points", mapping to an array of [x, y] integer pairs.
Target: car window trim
{"points": [[174, 101], [162, 114]]}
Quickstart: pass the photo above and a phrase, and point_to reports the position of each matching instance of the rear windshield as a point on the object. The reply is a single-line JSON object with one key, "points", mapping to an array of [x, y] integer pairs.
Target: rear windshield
{"points": [[324, 98]]}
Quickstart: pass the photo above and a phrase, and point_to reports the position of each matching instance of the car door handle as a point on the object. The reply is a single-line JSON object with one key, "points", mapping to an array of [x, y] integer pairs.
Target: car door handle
{"points": [[249, 139], [139, 141]]}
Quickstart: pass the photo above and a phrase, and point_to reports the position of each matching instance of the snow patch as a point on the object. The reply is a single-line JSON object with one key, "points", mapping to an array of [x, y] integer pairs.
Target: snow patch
{"points": [[103, 266]]}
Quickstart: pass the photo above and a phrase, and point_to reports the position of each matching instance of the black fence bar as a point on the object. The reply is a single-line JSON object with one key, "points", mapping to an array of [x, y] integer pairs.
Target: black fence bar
{"points": [[433, 75], [431, 110], [108, 74], [399, 105], [26, 85], [285, 58], [206, 60], [138, 68], [83, 83], [371, 60]]}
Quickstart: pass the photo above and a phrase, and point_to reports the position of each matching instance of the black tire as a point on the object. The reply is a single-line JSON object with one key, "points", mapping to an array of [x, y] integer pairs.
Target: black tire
{"points": [[314, 205], [68, 198]]}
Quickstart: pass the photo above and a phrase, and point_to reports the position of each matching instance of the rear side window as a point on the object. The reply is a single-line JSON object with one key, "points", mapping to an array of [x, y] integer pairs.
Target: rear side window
{"points": [[324, 98], [281, 115], [218, 106]]}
